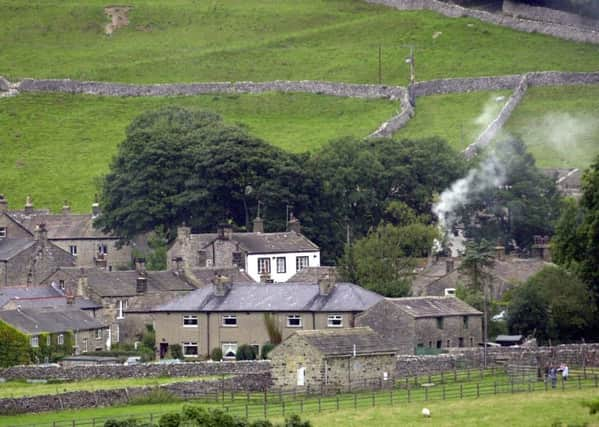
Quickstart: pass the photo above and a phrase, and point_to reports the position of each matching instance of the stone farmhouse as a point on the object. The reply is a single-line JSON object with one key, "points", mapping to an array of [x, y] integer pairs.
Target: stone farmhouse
{"points": [[339, 359], [54, 325], [266, 257], [73, 233], [420, 323], [227, 315]]}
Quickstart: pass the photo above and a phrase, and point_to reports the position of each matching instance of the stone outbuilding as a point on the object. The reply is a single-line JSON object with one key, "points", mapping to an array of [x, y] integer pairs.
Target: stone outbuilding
{"points": [[418, 324], [345, 359]]}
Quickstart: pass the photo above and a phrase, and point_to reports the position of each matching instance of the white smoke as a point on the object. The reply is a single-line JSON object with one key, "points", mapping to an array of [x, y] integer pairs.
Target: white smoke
{"points": [[490, 111]]}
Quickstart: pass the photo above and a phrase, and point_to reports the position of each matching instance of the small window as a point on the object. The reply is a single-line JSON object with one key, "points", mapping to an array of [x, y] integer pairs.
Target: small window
{"points": [[190, 349], [84, 345], [98, 334], [281, 265], [263, 265], [439, 343], [335, 321], [448, 343], [465, 322], [461, 342], [471, 342], [229, 350], [60, 339], [202, 259], [121, 307], [230, 320], [190, 321], [294, 321], [439, 323], [73, 250], [301, 262], [2, 232], [102, 249], [430, 344], [35, 341], [61, 285]]}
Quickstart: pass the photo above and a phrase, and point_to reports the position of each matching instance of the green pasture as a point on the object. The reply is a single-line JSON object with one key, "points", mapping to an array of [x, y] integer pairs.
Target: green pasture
{"points": [[55, 146], [228, 40]]}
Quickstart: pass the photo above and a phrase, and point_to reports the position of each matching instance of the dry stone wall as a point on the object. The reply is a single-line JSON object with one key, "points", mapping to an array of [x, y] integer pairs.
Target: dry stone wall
{"points": [[543, 14], [454, 11]]}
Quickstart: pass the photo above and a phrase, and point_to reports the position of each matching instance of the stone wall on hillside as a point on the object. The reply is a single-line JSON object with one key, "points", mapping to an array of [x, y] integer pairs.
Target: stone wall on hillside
{"points": [[544, 14], [454, 11], [76, 373]]}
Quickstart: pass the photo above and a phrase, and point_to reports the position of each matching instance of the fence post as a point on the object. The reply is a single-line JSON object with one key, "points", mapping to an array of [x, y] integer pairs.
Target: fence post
{"points": [[442, 379], [595, 380], [512, 386], [425, 394], [265, 410], [468, 373], [563, 384], [529, 386], [93, 422], [246, 411], [579, 385], [318, 403], [545, 381], [455, 374], [337, 401], [283, 407], [391, 397], [461, 391], [355, 401], [302, 406], [481, 372], [429, 379], [494, 387], [408, 395], [477, 390], [73, 423], [443, 391], [373, 399]]}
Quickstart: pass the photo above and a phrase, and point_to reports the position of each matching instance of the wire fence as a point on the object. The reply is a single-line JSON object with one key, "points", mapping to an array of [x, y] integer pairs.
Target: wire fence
{"points": [[455, 385]]}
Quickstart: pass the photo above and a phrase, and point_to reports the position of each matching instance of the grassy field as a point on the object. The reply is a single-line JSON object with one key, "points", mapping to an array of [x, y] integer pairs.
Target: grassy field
{"points": [[189, 40], [54, 146], [21, 388], [560, 125]]}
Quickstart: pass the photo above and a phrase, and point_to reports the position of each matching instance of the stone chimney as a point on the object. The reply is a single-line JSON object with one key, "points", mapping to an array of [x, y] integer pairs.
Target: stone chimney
{"points": [[258, 225], [82, 286], [177, 264], [66, 209], [183, 232], [500, 253], [96, 207], [41, 233], [225, 232], [293, 224], [141, 285], [28, 205], [221, 285], [3, 203], [449, 265], [140, 265], [326, 284]]}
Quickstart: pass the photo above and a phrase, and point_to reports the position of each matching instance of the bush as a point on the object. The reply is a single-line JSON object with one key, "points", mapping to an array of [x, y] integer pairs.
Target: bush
{"points": [[132, 422], [157, 395], [176, 351], [147, 354], [171, 419], [148, 338], [267, 348], [296, 421], [245, 352], [216, 354]]}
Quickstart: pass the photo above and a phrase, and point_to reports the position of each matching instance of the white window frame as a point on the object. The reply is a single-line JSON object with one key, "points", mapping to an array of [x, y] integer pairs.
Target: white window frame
{"points": [[35, 341], [299, 262], [122, 306], [73, 250], [61, 285], [193, 318], [103, 248], [190, 344], [229, 317], [98, 334], [264, 265], [60, 339], [281, 264], [291, 317], [332, 320], [85, 347], [2, 232], [229, 346]]}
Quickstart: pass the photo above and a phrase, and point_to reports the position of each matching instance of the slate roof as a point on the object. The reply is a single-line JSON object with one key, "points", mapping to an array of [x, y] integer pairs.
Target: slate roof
{"points": [[206, 274], [261, 243], [434, 306], [50, 321], [12, 247], [313, 274], [340, 342], [124, 283], [61, 226], [288, 296], [40, 297]]}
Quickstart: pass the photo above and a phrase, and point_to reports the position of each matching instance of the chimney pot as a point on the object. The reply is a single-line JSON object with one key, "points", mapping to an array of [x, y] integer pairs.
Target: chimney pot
{"points": [[225, 231], [293, 224], [96, 207], [258, 225], [326, 284], [140, 265], [41, 232], [220, 283], [141, 285], [28, 205], [66, 209]]}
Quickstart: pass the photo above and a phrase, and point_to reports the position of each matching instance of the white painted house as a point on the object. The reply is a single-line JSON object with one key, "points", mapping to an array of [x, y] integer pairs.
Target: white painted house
{"points": [[265, 257]]}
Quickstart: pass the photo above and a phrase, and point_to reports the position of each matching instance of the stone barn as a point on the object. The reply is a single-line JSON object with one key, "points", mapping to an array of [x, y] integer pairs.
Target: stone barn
{"points": [[333, 359]]}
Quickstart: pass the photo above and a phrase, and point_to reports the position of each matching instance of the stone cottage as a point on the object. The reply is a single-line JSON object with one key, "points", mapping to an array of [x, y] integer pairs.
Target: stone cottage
{"points": [[75, 233], [226, 315], [419, 323], [27, 261], [345, 359], [265, 257]]}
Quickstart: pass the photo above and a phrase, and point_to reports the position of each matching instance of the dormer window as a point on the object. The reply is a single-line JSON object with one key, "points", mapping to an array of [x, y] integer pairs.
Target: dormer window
{"points": [[2, 232]]}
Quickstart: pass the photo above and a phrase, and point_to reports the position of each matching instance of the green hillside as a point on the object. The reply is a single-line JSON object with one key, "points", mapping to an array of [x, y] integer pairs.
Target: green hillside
{"points": [[189, 40], [54, 145]]}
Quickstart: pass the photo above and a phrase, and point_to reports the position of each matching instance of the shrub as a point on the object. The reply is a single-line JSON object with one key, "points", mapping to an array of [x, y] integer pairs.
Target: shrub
{"points": [[157, 395], [148, 338], [266, 348], [296, 421], [216, 354], [176, 351], [147, 354], [131, 422], [245, 352], [171, 419]]}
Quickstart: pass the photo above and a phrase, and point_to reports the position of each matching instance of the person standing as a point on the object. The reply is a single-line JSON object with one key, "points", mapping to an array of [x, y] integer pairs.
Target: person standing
{"points": [[553, 376], [565, 372]]}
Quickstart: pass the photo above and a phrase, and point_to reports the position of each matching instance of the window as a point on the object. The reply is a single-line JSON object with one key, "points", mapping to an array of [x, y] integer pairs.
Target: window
{"points": [[294, 321], [121, 307], [84, 345], [202, 258], [465, 322], [2, 232], [301, 262], [335, 321], [281, 265], [230, 320], [48, 340], [471, 342], [35, 341], [439, 343], [229, 350], [190, 321], [98, 334], [102, 249], [190, 349], [73, 250], [60, 339], [439, 323], [448, 343], [430, 344], [460, 342], [263, 265], [61, 284]]}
